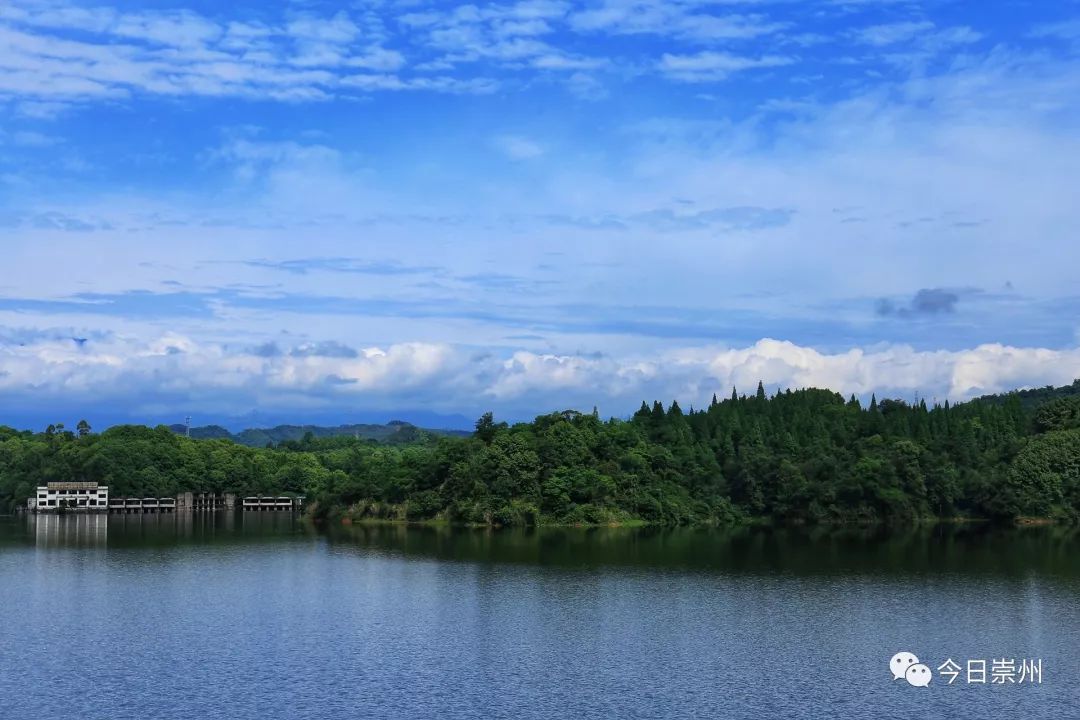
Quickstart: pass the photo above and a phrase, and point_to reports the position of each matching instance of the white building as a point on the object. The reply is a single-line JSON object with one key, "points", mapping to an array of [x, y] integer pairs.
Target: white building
{"points": [[83, 496]]}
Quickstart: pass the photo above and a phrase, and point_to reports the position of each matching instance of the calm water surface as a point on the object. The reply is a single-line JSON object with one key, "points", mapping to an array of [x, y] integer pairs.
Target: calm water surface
{"points": [[258, 616]]}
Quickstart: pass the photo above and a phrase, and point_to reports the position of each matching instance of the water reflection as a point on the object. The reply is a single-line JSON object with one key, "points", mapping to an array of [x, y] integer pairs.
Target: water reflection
{"points": [[800, 550], [76, 530], [89, 530], [941, 549]]}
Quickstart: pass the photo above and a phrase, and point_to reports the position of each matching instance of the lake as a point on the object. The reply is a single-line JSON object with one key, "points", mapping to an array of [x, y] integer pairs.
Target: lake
{"points": [[259, 616]]}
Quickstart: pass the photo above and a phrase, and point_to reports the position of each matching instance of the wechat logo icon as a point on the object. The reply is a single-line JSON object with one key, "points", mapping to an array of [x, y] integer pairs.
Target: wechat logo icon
{"points": [[905, 666]]}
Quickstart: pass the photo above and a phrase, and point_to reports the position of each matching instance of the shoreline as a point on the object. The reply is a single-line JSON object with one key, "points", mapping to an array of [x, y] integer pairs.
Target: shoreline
{"points": [[346, 521]]}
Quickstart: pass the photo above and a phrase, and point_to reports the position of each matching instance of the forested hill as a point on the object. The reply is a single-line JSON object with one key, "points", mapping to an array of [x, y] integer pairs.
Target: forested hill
{"points": [[1031, 399], [394, 432], [807, 455]]}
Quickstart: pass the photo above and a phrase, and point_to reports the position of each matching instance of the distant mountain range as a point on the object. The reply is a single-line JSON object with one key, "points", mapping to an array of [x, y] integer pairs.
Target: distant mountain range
{"points": [[395, 431]]}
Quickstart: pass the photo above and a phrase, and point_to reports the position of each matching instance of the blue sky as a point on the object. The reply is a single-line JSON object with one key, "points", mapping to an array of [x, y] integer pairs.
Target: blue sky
{"points": [[260, 212]]}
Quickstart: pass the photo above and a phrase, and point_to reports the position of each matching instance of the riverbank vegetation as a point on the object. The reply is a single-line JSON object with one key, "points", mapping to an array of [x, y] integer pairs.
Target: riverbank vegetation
{"points": [[804, 456]]}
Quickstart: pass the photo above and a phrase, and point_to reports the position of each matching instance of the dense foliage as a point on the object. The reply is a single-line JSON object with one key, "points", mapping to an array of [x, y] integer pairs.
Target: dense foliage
{"points": [[1032, 398], [805, 455]]}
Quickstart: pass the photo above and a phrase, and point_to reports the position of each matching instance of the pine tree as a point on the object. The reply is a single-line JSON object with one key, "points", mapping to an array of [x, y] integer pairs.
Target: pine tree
{"points": [[657, 413], [643, 414]]}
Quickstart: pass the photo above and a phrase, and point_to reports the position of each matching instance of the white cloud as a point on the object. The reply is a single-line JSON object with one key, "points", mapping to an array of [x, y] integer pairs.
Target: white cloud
{"points": [[32, 138], [516, 147], [890, 34], [555, 61], [508, 36], [911, 44], [509, 28], [41, 110], [377, 59], [337, 30], [1065, 30], [118, 54], [709, 66], [685, 19], [223, 379], [306, 57], [373, 82], [181, 29], [253, 159]]}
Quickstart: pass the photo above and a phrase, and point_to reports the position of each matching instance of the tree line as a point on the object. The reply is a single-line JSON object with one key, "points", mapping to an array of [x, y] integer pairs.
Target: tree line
{"points": [[804, 455]]}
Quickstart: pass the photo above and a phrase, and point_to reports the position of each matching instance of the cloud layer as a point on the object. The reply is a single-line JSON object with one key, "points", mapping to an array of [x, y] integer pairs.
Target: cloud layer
{"points": [[67, 52], [175, 373]]}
